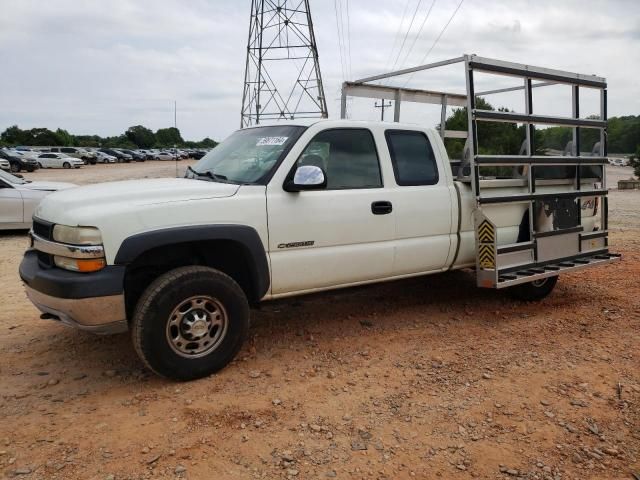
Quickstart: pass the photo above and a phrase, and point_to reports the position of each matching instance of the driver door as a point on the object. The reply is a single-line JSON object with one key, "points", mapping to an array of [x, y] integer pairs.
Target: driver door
{"points": [[336, 236]]}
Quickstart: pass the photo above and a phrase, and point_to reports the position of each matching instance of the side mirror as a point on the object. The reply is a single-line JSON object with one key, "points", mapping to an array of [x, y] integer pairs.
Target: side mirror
{"points": [[307, 177]]}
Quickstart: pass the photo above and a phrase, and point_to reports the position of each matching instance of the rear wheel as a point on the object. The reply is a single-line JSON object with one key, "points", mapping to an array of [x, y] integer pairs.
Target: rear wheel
{"points": [[190, 322], [66, 165], [534, 291]]}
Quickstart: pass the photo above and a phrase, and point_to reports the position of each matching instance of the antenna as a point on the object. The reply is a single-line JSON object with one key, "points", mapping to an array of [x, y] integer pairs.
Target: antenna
{"points": [[282, 78]]}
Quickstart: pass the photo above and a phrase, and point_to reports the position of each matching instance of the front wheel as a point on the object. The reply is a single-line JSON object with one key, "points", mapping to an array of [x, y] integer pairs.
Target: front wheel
{"points": [[534, 291], [190, 322], [66, 165], [15, 167]]}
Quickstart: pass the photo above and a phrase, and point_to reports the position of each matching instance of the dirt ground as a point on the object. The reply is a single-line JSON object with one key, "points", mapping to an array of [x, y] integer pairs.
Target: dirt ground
{"points": [[423, 378]]}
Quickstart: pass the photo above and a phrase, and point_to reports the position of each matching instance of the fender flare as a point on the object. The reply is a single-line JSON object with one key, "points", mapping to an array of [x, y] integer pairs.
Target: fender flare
{"points": [[134, 246]]}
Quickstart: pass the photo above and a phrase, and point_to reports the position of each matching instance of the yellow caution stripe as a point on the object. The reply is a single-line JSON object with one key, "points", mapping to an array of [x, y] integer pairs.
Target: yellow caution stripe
{"points": [[486, 232], [486, 256]]}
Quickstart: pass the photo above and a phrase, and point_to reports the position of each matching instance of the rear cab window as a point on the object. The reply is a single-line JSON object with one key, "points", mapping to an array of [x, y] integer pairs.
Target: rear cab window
{"points": [[412, 158]]}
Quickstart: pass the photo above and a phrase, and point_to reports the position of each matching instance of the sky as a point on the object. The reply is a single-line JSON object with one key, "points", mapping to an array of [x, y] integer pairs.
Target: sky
{"points": [[98, 67]]}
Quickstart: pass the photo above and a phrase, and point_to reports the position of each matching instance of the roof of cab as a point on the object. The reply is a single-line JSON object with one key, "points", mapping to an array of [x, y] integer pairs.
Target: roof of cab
{"points": [[346, 123]]}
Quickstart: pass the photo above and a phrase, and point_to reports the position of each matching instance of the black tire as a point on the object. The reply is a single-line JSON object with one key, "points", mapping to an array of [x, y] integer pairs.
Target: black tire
{"points": [[534, 291], [157, 308], [15, 167], [66, 165]]}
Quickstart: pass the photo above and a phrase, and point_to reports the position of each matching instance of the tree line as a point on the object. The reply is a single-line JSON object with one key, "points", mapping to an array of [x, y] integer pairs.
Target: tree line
{"points": [[495, 138], [137, 136]]}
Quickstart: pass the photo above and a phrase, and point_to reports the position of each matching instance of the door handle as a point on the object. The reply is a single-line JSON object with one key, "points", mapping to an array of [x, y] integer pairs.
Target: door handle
{"points": [[381, 208]]}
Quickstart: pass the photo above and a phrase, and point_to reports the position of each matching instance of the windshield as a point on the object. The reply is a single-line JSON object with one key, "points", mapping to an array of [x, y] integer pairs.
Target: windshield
{"points": [[248, 156], [7, 177]]}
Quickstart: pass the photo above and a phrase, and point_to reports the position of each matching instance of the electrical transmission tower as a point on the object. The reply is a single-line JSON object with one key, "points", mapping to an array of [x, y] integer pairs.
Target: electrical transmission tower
{"points": [[282, 75]]}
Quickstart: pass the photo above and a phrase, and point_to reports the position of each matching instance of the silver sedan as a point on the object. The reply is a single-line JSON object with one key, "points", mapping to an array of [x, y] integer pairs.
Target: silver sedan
{"points": [[19, 198]]}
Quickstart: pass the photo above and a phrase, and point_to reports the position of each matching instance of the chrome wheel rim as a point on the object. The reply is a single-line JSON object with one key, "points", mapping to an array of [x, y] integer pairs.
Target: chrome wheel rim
{"points": [[197, 326]]}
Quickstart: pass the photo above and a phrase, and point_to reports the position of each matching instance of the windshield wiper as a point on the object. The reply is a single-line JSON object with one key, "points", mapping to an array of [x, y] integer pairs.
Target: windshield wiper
{"points": [[208, 174]]}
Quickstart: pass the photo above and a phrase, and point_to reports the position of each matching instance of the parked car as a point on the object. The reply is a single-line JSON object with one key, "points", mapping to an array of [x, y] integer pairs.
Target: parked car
{"points": [[18, 161], [198, 154], [86, 156], [148, 154], [138, 157], [165, 156], [58, 160], [102, 157], [122, 157], [5, 165], [19, 198]]}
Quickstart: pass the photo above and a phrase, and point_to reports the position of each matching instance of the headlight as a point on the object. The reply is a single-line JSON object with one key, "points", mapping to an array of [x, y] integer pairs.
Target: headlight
{"points": [[77, 235]]}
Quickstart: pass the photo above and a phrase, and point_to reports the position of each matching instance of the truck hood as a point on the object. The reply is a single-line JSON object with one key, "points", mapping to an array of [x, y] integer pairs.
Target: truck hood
{"points": [[48, 186], [78, 205]]}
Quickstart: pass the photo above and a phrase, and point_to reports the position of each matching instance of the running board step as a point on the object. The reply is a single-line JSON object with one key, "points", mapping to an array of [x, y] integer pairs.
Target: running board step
{"points": [[537, 272]]}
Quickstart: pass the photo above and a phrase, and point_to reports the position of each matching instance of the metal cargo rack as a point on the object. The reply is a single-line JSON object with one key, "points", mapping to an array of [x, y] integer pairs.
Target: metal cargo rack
{"points": [[548, 250]]}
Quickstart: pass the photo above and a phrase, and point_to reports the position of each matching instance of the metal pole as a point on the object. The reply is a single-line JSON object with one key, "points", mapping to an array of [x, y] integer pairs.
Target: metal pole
{"points": [[175, 126], [530, 133], [396, 107], [343, 101], [411, 70], [382, 106], [324, 112], [259, 63], [471, 125], [575, 100], [245, 90], [443, 116]]}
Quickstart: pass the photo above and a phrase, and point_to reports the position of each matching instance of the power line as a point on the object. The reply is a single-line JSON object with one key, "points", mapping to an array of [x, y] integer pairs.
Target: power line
{"points": [[415, 12], [345, 41], [397, 36], [342, 62], [349, 37], [436, 40], [415, 39]]}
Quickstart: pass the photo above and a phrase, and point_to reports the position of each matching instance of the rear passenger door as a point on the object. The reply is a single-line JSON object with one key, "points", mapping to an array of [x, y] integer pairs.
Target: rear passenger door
{"points": [[422, 204], [338, 235]]}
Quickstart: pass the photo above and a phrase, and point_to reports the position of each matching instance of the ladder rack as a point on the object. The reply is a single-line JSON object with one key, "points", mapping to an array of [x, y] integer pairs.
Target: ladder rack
{"points": [[543, 249]]}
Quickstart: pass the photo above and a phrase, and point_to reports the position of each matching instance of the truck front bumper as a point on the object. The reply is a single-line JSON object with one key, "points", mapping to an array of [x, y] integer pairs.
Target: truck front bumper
{"points": [[87, 301]]}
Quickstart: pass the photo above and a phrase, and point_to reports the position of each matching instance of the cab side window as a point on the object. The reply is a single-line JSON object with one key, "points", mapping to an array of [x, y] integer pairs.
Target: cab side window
{"points": [[348, 157], [414, 162]]}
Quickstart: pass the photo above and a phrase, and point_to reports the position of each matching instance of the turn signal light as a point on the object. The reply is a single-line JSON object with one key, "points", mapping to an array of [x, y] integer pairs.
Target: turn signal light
{"points": [[80, 265]]}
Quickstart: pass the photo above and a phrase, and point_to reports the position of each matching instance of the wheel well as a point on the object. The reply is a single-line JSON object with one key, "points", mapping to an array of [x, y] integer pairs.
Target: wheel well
{"points": [[228, 256]]}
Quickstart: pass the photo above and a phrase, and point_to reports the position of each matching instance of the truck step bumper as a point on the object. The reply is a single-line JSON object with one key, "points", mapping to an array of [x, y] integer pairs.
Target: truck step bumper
{"points": [[550, 269], [99, 315]]}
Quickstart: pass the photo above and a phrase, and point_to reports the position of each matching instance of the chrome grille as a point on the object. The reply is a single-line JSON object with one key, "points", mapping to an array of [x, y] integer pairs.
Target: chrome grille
{"points": [[43, 229]]}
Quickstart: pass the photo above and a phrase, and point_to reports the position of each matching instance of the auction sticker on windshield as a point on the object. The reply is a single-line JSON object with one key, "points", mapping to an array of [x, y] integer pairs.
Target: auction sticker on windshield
{"points": [[271, 141]]}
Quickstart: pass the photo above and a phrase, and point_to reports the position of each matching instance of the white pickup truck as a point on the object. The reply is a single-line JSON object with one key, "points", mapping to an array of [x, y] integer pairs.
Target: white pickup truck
{"points": [[271, 212]]}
